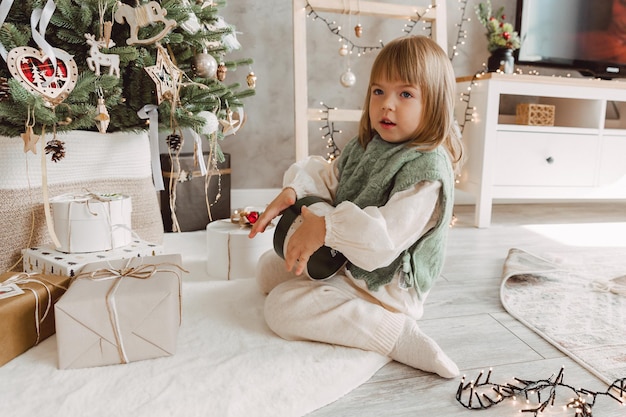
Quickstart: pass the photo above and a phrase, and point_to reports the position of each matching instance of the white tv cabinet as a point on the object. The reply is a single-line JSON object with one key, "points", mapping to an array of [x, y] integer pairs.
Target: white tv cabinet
{"points": [[583, 156]]}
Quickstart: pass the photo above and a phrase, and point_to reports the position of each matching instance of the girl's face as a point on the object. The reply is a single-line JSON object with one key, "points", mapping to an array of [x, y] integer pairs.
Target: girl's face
{"points": [[395, 110]]}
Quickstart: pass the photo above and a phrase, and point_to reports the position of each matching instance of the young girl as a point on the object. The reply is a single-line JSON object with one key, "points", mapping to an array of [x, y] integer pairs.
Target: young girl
{"points": [[392, 188]]}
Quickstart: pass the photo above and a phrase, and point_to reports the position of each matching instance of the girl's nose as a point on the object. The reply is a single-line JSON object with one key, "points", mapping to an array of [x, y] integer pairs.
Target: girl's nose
{"points": [[388, 104]]}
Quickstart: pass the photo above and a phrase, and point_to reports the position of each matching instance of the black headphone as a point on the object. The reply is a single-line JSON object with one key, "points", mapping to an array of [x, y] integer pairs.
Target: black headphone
{"points": [[325, 262]]}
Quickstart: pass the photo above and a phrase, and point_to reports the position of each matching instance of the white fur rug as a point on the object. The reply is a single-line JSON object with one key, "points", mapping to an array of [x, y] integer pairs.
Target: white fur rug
{"points": [[576, 301], [228, 363]]}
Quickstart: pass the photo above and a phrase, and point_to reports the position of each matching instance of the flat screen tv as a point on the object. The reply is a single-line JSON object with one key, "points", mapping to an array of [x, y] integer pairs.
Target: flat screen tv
{"points": [[588, 36]]}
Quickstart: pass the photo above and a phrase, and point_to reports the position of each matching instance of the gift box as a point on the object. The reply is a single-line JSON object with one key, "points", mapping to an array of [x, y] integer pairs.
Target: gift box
{"points": [[120, 311], [45, 259], [534, 114], [231, 253], [191, 199], [91, 222], [26, 310]]}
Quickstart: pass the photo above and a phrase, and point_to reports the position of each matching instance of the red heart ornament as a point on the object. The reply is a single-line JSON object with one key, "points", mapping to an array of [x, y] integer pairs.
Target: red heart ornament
{"points": [[34, 70]]}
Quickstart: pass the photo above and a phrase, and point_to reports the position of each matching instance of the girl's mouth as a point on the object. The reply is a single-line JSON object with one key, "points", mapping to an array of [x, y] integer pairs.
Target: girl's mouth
{"points": [[387, 123]]}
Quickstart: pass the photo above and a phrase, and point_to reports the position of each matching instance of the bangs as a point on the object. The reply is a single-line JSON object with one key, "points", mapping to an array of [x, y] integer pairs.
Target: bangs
{"points": [[405, 66]]}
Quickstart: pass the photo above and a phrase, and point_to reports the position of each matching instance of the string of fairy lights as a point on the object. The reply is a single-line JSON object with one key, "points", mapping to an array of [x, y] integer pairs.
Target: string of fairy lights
{"points": [[328, 133], [337, 29], [538, 396], [461, 33]]}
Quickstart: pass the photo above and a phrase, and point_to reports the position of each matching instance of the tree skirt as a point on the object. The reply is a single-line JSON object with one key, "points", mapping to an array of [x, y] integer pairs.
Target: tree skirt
{"points": [[228, 363], [576, 301]]}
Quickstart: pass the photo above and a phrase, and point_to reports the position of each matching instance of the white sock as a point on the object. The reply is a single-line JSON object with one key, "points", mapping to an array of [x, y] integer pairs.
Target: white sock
{"points": [[416, 349]]}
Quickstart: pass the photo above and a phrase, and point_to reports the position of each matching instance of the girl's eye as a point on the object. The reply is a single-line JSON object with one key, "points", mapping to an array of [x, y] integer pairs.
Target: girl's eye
{"points": [[377, 91], [406, 94]]}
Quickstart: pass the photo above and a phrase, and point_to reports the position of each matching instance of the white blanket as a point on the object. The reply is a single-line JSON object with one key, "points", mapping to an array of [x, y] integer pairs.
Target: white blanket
{"points": [[228, 363]]}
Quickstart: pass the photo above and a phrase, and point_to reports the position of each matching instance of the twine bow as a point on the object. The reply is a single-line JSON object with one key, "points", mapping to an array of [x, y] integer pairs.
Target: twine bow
{"points": [[22, 278], [144, 271]]}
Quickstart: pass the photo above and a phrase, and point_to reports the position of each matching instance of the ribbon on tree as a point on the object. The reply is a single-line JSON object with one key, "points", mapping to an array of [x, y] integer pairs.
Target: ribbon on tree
{"points": [[197, 152], [151, 112], [39, 20]]}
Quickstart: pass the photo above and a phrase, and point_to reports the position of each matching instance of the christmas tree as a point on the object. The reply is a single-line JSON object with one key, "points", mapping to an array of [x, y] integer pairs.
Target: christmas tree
{"points": [[94, 64]]}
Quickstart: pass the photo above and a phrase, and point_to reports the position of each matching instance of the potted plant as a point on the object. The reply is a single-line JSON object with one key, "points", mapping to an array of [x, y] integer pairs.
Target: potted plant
{"points": [[502, 39]]}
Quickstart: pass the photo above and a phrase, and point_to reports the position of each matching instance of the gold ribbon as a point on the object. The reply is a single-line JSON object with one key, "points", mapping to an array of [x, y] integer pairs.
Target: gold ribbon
{"points": [[145, 271], [22, 278]]}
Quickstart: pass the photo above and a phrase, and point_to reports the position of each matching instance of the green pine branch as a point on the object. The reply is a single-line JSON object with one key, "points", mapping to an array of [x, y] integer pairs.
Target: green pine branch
{"points": [[125, 96]]}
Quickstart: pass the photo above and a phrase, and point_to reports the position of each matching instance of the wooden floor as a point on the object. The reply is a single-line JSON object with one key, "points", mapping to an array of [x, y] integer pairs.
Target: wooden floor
{"points": [[465, 316]]}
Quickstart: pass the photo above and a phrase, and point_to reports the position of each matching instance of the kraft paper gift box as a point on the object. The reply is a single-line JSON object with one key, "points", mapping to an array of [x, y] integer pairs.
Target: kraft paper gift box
{"points": [[27, 317], [191, 209], [91, 222], [45, 259], [120, 311]]}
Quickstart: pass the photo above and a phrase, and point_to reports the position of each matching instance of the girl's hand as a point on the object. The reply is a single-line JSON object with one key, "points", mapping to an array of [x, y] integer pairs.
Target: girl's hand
{"points": [[285, 199], [305, 241]]}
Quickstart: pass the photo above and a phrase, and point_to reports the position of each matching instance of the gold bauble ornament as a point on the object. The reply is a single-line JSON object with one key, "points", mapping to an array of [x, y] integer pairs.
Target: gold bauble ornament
{"points": [[221, 71], [251, 80], [358, 30]]}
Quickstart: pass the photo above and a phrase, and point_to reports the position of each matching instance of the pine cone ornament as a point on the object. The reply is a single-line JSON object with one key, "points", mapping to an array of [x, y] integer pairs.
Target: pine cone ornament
{"points": [[174, 141], [56, 148]]}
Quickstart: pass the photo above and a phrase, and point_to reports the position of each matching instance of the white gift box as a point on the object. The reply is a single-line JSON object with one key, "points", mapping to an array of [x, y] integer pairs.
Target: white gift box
{"points": [[120, 311], [231, 253], [45, 259], [91, 222]]}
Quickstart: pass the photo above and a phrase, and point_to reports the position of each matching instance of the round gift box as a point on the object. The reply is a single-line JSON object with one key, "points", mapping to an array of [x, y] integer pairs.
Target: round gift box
{"points": [[231, 253], [325, 262], [91, 222]]}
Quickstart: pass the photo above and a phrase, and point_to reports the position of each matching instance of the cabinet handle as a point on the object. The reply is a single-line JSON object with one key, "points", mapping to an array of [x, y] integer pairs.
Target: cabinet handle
{"points": [[549, 159]]}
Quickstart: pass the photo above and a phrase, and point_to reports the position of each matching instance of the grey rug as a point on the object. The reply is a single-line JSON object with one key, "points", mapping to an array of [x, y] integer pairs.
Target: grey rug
{"points": [[576, 301]]}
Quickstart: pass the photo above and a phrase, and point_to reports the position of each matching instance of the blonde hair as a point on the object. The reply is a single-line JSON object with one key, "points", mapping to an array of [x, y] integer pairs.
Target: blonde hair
{"points": [[420, 61]]}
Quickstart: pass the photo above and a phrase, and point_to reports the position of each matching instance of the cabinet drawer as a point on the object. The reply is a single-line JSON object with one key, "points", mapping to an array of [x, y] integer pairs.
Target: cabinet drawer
{"points": [[612, 167], [544, 159]]}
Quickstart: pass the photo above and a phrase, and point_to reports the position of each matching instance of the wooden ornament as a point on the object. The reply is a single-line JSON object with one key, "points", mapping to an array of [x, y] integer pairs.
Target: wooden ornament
{"points": [[30, 140], [233, 121], [141, 16], [97, 59], [166, 76], [102, 118], [33, 69]]}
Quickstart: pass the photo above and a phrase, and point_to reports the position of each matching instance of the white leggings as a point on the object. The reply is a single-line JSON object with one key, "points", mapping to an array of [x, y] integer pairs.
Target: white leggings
{"points": [[339, 310]]}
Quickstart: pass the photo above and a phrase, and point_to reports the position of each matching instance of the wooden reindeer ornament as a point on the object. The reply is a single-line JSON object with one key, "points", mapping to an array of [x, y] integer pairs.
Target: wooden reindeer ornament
{"points": [[98, 59]]}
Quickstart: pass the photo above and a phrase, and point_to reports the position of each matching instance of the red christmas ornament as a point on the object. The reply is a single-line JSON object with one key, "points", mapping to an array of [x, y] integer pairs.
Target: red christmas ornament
{"points": [[252, 217]]}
